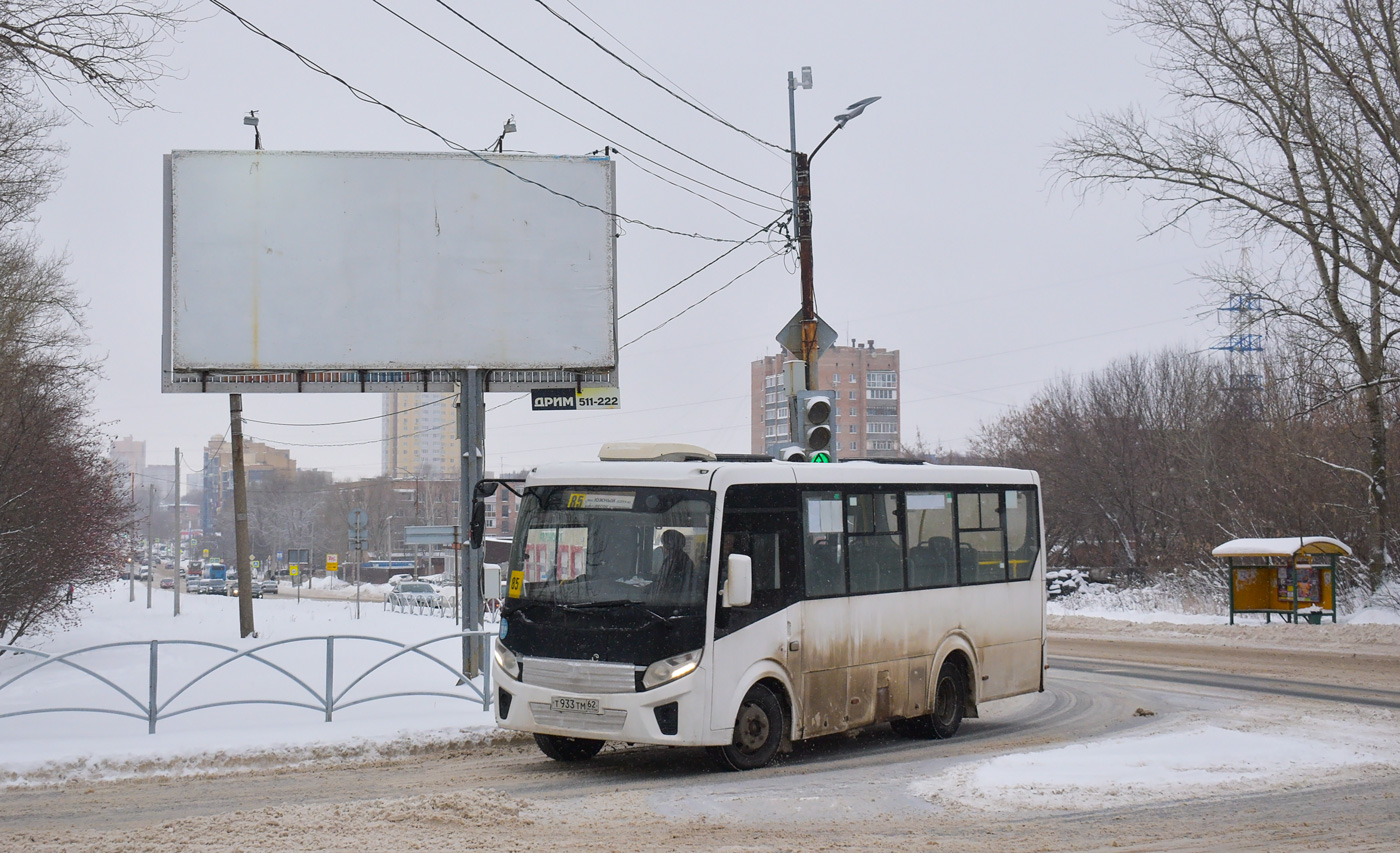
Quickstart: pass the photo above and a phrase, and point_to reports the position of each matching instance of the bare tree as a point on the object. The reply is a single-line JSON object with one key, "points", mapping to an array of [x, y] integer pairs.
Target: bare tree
{"points": [[108, 47], [1150, 462], [1286, 132], [63, 517]]}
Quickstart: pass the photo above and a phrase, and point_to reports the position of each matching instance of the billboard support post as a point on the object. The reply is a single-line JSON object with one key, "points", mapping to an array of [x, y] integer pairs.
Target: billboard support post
{"points": [[240, 517], [471, 432]]}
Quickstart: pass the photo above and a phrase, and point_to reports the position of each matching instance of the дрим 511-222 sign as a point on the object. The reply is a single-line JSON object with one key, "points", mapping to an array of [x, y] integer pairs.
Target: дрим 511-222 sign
{"points": [[568, 399]]}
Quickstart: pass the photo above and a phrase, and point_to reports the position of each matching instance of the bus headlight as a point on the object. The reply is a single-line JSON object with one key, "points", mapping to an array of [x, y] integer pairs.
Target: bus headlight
{"points": [[670, 669], [506, 660]]}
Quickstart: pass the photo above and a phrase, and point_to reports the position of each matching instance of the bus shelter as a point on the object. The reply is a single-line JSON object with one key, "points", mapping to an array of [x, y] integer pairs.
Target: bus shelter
{"points": [[1290, 576]]}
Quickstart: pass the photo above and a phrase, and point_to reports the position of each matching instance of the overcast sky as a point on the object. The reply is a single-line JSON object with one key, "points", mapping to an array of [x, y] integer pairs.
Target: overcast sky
{"points": [[937, 229]]}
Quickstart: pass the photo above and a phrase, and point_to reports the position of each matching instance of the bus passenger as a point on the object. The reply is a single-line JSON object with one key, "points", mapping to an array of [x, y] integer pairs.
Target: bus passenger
{"points": [[676, 565]]}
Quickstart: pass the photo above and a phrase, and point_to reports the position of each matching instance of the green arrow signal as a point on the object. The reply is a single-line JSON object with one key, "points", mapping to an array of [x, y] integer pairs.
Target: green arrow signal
{"points": [[820, 456]]}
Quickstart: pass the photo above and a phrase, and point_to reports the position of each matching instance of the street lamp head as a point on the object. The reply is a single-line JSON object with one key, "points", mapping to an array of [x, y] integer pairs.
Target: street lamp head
{"points": [[854, 110]]}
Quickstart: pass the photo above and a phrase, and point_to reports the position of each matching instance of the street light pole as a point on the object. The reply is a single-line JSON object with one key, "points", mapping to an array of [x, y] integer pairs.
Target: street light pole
{"points": [[802, 224], [802, 220]]}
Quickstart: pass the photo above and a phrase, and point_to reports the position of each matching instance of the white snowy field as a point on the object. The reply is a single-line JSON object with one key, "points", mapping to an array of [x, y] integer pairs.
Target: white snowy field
{"points": [[1246, 750], [56, 747]]}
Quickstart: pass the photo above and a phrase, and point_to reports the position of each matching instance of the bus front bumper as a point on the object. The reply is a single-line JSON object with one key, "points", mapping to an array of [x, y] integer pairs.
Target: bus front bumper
{"points": [[671, 714]]}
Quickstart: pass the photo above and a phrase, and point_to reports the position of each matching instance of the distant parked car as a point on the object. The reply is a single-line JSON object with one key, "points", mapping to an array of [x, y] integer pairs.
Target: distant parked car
{"points": [[192, 584], [167, 583], [254, 589], [269, 586], [398, 579], [415, 593]]}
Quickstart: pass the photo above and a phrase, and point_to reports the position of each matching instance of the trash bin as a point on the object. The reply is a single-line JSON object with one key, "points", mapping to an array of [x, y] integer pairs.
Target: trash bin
{"points": [[1313, 618]]}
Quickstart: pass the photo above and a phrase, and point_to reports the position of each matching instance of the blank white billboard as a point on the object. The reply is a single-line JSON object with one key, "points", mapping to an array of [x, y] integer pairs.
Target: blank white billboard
{"points": [[353, 261]]}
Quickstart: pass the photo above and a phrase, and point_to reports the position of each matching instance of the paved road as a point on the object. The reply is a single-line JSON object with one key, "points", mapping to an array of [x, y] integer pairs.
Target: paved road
{"points": [[839, 792]]}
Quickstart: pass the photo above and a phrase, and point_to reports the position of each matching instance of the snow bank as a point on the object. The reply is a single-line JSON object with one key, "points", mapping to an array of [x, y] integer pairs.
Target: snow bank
{"points": [[48, 748], [1186, 758]]}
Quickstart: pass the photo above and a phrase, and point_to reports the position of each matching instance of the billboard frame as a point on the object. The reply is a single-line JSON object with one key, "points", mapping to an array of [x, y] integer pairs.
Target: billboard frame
{"points": [[342, 374]]}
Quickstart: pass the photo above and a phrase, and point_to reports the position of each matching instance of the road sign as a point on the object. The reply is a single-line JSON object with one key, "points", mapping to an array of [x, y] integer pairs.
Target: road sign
{"points": [[357, 519], [791, 335], [332, 562], [206, 553], [279, 556], [435, 534], [294, 570]]}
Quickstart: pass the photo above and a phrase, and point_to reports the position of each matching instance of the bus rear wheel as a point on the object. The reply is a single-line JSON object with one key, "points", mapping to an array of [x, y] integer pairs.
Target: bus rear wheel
{"points": [[949, 705], [758, 732], [568, 748]]}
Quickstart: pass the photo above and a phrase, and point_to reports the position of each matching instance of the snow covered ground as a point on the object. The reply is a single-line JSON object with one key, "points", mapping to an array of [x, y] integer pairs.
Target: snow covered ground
{"points": [[1156, 605], [1195, 755], [47, 748], [1238, 748]]}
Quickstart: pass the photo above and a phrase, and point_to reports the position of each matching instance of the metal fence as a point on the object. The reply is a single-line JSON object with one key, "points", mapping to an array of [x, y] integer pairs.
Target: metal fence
{"points": [[326, 699], [418, 603]]}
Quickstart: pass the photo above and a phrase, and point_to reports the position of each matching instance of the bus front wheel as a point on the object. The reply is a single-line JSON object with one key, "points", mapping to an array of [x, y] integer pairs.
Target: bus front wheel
{"points": [[758, 732], [568, 748], [949, 705]]}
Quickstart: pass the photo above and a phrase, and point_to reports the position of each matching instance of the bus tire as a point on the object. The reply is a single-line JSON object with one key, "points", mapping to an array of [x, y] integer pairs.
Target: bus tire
{"points": [[949, 705], [949, 701], [568, 748], [758, 732]]}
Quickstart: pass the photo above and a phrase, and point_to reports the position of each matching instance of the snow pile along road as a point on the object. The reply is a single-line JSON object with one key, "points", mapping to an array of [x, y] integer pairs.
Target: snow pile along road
{"points": [[1196, 756], [62, 747]]}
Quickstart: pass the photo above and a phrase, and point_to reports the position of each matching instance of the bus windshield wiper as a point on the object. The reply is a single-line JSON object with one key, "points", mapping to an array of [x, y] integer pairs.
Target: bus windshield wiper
{"points": [[620, 602]]}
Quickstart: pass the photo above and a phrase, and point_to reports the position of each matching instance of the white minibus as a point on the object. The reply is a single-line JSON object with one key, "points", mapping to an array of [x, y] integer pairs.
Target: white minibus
{"points": [[741, 603]]}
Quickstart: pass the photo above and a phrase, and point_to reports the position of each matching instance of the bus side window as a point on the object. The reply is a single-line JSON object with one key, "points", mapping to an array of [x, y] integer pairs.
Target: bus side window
{"points": [[872, 539], [1022, 533], [981, 544], [929, 527], [823, 538]]}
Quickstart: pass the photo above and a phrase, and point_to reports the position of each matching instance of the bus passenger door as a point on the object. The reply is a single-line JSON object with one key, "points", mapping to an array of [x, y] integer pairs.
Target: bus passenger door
{"points": [[761, 522]]}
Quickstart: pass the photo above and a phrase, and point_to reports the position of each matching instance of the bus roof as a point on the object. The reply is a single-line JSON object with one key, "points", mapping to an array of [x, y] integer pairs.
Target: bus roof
{"points": [[710, 475]]}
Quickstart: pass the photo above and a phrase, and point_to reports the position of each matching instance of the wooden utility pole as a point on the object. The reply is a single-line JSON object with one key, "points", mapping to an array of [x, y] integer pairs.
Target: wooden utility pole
{"points": [[240, 518], [803, 212], [131, 569]]}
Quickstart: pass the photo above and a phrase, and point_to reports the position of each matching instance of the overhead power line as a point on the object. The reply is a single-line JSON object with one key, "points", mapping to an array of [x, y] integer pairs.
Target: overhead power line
{"points": [[513, 52], [657, 327], [720, 257], [445, 399], [453, 144], [452, 424], [705, 111], [483, 69], [684, 188]]}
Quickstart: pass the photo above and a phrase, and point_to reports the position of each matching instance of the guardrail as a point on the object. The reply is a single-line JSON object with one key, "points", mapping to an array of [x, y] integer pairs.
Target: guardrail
{"points": [[328, 700], [419, 603]]}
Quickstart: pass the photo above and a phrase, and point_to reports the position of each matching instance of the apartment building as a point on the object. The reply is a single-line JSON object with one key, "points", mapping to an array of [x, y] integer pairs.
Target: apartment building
{"points": [[865, 419], [420, 436]]}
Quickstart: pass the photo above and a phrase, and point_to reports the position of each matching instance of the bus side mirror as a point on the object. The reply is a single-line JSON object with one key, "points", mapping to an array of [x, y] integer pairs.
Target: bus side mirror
{"points": [[478, 524], [738, 590]]}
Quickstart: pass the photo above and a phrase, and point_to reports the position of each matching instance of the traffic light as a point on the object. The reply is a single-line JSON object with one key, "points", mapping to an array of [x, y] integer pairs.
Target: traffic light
{"points": [[812, 423]]}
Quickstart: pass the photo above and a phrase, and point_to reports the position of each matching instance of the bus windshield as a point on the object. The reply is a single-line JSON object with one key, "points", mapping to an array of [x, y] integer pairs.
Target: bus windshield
{"points": [[596, 546]]}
